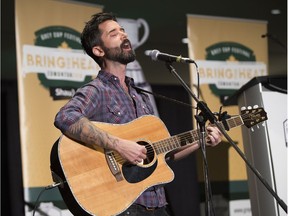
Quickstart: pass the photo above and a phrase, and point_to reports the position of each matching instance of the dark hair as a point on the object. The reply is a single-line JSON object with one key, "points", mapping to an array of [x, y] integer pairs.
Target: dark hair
{"points": [[91, 35]]}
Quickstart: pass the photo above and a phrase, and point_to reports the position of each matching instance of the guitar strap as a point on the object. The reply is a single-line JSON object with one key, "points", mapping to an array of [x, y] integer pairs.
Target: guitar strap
{"points": [[163, 97]]}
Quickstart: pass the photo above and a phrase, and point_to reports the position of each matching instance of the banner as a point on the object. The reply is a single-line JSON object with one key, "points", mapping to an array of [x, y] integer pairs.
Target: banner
{"points": [[228, 53], [51, 66]]}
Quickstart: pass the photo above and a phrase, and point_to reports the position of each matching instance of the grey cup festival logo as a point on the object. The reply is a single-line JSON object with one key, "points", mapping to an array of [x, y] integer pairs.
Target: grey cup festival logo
{"points": [[227, 79], [62, 65]]}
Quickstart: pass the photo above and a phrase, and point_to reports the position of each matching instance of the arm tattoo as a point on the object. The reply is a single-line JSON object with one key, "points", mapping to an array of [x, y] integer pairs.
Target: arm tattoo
{"points": [[87, 133]]}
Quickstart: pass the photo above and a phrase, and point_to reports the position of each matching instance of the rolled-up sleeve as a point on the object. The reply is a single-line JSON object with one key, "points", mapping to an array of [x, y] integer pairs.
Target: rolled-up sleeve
{"points": [[76, 108]]}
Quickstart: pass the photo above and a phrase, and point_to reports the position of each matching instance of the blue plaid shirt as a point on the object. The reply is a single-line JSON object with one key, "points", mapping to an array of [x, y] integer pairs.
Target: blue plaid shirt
{"points": [[104, 100]]}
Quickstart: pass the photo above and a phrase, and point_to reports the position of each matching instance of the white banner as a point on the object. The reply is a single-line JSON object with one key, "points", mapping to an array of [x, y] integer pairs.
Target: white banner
{"points": [[57, 63], [228, 74]]}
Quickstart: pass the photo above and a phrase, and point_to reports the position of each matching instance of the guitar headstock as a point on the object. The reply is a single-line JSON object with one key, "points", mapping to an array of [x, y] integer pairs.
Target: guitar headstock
{"points": [[252, 116]]}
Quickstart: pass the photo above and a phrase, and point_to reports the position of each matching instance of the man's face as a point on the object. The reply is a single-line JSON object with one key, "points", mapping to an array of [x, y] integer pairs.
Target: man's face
{"points": [[116, 45]]}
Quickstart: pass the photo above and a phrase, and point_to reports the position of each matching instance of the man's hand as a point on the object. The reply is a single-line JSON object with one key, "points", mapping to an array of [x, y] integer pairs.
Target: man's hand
{"points": [[131, 151], [214, 136]]}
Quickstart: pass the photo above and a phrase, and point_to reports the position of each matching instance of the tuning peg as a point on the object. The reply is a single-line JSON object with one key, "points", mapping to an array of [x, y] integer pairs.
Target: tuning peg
{"points": [[249, 107], [252, 129], [255, 106], [243, 108]]}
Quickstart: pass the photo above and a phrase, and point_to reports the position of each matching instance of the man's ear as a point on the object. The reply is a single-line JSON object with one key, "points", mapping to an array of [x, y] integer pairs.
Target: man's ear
{"points": [[97, 51]]}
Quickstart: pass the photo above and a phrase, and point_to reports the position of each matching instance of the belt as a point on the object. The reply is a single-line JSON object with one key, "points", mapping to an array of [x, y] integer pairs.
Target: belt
{"points": [[147, 208], [151, 208]]}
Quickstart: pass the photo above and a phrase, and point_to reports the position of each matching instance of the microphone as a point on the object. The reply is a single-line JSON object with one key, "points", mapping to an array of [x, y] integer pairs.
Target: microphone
{"points": [[156, 55]]}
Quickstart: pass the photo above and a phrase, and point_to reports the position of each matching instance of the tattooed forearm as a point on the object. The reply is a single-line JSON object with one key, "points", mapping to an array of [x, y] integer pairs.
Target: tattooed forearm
{"points": [[87, 133]]}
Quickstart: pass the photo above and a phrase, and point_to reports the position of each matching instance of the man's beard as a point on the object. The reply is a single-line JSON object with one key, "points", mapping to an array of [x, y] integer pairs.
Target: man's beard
{"points": [[119, 55]]}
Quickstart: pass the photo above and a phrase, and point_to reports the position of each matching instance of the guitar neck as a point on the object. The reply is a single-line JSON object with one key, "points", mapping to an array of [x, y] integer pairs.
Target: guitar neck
{"points": [[189, 137]]}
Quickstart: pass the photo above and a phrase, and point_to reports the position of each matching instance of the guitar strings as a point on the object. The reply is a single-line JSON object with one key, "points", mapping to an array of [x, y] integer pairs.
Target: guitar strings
{"points": [[162, 145]]}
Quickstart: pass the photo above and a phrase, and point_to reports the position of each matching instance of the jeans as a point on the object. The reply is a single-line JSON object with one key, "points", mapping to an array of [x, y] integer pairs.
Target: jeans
{"points": [[138, 210]]}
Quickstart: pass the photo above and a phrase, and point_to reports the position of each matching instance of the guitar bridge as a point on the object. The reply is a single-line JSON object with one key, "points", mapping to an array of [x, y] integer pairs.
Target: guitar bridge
{"points": [[113, 165]]}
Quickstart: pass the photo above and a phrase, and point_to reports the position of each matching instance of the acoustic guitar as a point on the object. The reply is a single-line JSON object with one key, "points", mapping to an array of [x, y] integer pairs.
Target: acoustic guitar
{"points": [[100, 182]]}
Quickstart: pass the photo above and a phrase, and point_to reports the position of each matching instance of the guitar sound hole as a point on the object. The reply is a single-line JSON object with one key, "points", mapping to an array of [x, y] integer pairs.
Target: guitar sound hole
{"points": [[150, 152], [136, 173]]}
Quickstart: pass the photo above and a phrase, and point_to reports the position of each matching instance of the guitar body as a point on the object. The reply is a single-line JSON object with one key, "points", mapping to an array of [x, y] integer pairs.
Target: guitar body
{"points": [[99, 182], [91, 186]]}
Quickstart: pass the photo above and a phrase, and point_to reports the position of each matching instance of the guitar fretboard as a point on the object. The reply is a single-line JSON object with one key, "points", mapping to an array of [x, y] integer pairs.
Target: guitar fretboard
{"points": [[190, 137]]}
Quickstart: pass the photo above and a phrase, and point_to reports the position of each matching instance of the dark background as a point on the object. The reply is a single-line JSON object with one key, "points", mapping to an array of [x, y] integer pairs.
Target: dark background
{"points": [[167, 22]]}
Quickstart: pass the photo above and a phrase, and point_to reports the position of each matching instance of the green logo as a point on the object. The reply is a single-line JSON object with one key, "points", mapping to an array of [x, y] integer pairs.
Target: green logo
{"points": [[62, 82], [228, 51]]}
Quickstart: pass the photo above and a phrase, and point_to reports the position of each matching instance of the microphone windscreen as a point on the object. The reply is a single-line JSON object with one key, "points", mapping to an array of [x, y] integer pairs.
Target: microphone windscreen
{"points": [[147, 52], [154, 54]]}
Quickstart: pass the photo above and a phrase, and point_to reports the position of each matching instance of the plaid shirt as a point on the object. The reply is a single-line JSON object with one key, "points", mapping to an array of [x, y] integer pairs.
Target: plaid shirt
{"points": [[104, 100]]}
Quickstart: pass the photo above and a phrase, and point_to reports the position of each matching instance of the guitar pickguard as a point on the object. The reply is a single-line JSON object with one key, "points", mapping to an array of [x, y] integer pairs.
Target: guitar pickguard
{"points": [[137, 173]]}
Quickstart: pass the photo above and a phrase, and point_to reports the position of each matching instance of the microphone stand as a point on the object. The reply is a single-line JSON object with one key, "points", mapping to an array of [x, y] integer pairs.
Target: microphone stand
{"points": [[206, 112], [201, 119], [209, 210]]}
